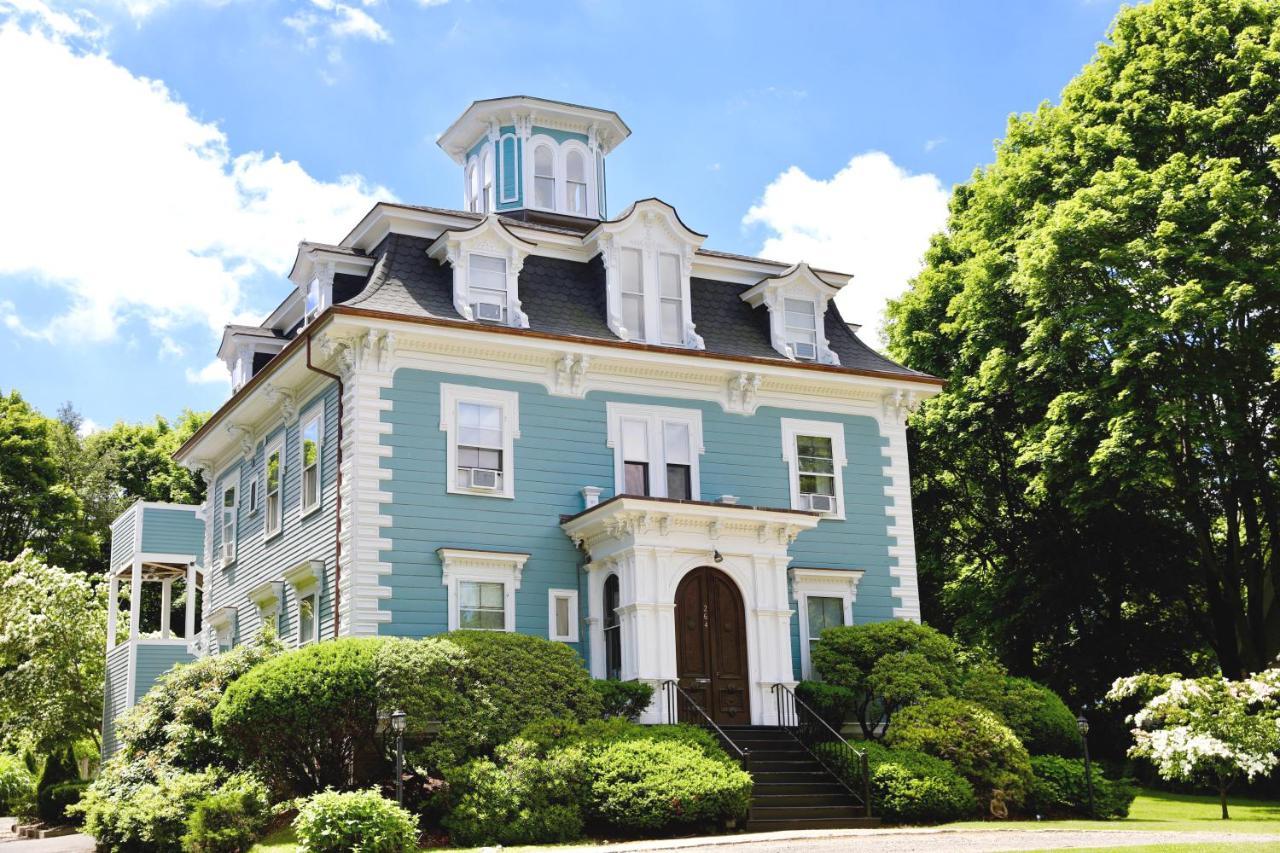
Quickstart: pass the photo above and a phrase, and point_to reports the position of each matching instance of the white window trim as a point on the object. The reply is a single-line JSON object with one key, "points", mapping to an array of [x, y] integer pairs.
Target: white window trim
{"points": [[490, 239], [802, 283], [222, 624], [220, 561], [834, 430], [462, 564], [503, 198], [267, 598], [557, 173], [818, 337], [821, 583], [509, 403], [471, 195], [306, 580], [318, 416], [275, 445], [562, 177], [655, 417], [572, 596]]}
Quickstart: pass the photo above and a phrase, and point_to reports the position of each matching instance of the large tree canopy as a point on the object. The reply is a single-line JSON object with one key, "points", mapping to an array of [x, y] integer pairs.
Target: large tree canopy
{"points": [[1100, 476]]}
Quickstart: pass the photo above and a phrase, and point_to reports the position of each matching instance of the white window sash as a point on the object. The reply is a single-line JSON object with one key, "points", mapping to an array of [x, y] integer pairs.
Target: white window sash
{"points": [[317, 419], [554, 597], [655, 420], [273, 523], [508, 403], [792, 429]]}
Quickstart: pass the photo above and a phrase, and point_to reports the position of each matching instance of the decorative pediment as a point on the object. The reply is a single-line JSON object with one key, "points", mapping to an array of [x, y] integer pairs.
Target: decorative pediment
{"points": [[267, 596], [305, 576], [648, 259], [806, 291], [486, 262]]}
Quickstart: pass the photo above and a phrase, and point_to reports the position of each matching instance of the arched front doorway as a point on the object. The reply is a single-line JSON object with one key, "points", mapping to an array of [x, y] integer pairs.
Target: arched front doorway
{"points": [[711, 645]]}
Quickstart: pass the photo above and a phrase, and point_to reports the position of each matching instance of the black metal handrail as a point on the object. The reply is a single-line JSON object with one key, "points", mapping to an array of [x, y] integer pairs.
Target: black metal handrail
{"points": [[811, 730]]}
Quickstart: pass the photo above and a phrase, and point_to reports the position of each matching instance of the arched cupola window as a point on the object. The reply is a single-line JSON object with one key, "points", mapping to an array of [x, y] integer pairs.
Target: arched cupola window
{"points": [[473, 186], [544, 177], [612, 631], [486, 189], [575, 183]]}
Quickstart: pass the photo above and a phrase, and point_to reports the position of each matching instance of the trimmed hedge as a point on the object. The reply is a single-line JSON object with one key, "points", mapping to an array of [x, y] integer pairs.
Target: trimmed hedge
{"points": [[974, 740], [229, 821], [173, 722], [1060, 788], [624, 699], [1037, 715], [429, 680], [363, 821], [833, 703], [304, 718], [912, 787], [53, 801]]}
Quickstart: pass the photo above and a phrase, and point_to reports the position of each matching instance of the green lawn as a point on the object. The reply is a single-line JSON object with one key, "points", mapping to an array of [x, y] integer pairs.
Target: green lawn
{"points": [[1160, 811], [280, 841]]}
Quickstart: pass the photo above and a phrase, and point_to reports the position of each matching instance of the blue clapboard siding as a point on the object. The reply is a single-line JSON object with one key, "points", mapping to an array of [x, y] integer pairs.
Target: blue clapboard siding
{"points": [[122, 537], [115, 700], [259, 560], [154, 660], [562, 447], [172, 531]]}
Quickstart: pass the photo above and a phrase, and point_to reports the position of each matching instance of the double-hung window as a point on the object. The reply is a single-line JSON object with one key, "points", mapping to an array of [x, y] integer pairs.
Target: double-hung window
{"points": [[802, 328], [228, 524], [274, 488], [575, 184], [482, 587], [655, 450], [544, 177], [814, 452], [487, 286], [481, 425], [486, 190], [312, 436], [823, 612], [481, 606], [632, 292], [671, 300], [308, 605], [612, 630], [562, 615], [825, 598]]}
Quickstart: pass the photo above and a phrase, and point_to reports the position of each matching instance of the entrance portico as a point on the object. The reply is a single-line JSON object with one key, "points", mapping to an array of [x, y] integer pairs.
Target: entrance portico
{"points": [[651, 544]]}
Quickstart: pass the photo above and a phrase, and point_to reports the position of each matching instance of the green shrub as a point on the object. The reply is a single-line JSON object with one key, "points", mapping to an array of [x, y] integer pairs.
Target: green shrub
{"points": [[981, 747], [911, 787], [887, 665], [428, 680], [596, 734], [833, 703], [354, 822], [17, 786], [304, 718], [514, 679], [519, 797], [173, 722], [1037, 715], [1060, 789], [229, 821], [624, 699], [53, 801], [132, 808], [646, 785]]}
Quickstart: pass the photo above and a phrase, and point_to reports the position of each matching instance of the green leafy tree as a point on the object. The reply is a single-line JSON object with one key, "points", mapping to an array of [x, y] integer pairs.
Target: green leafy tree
{"points": [[1099, 479], [1210, 731], [140, 458], [52, 665], [35, 503]]}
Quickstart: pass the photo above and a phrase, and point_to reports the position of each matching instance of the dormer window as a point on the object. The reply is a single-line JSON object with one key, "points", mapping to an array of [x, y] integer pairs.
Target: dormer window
{"points": [[487, 277], [797, 304], [802, 328], [647, 259], [486, 263], [544, 177], [576, 183]]}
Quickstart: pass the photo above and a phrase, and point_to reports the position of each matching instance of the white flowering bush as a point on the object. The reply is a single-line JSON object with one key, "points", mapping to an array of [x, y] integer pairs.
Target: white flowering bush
{"points": [[1210, 731]]}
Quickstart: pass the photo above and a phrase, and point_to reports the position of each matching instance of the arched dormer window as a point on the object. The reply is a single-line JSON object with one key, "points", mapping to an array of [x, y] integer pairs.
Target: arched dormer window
{"points": [[797, 302], [544, 177], [612, 631], [486, 261], [575, 183], [486, 188]]}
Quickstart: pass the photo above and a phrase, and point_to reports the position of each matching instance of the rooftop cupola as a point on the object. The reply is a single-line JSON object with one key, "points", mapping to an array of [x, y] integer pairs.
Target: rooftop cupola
{"points": [[522, 155]]}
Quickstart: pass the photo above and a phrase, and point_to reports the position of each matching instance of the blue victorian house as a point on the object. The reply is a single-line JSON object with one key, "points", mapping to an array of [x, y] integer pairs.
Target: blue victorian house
{"points": [[531, 415]]}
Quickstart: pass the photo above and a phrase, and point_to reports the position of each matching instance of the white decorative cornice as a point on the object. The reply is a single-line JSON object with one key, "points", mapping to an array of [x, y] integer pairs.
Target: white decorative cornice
{"points": [[455, 561], [305, 576]]}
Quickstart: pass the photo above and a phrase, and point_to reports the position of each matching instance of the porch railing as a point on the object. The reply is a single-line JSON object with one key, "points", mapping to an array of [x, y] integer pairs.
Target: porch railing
{"points": [[824, 743]]}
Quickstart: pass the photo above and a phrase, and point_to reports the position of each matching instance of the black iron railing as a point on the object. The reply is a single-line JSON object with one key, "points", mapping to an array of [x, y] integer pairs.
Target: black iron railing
{"points": [[680, 706], [824, 743]]}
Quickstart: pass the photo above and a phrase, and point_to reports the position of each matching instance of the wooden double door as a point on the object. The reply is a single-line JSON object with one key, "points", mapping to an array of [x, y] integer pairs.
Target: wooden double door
{"points": [[711, 646]]}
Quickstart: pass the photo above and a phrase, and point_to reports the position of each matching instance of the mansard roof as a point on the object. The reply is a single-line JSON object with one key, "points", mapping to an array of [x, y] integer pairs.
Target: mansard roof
{"points": [[567, 298]]}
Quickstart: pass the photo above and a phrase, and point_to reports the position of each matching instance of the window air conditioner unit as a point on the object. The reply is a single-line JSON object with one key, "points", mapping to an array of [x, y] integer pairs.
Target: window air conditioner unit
{"points": [[483, 478], [491, 311], [807, 351], [821, 503]]}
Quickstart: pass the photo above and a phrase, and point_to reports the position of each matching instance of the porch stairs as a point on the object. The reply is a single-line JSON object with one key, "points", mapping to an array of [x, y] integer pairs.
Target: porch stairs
{"points": [[792, 790]]}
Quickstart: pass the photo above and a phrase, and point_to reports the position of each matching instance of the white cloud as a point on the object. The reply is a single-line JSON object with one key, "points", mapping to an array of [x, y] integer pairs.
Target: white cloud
{"points": [[931, 144], [871, 218], [87, 428], [117, 197], [213, 373], [337, 20]]}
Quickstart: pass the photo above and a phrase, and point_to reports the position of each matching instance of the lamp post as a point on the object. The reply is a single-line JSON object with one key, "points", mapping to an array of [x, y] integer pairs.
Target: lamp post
{"points": [[399, 720], [1082, 723]]}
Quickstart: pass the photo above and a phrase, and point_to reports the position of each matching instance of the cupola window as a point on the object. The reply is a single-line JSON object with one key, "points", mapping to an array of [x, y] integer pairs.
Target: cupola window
{"points": [[544, 177], [486, 190], [473, 188], [576, 184]]}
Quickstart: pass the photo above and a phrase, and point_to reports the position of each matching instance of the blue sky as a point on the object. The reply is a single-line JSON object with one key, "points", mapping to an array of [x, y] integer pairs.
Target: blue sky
{"points": [[160, 159]]}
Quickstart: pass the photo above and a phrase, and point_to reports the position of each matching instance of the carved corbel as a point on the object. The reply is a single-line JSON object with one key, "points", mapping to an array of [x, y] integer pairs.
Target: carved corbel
{"points": [[743, 388], [283, 399], [244, 436], [898, 404]]}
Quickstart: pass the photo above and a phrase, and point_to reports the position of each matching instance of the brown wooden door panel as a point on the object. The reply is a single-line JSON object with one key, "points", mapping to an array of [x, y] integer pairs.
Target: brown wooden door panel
{"points": [[711, 645]]}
